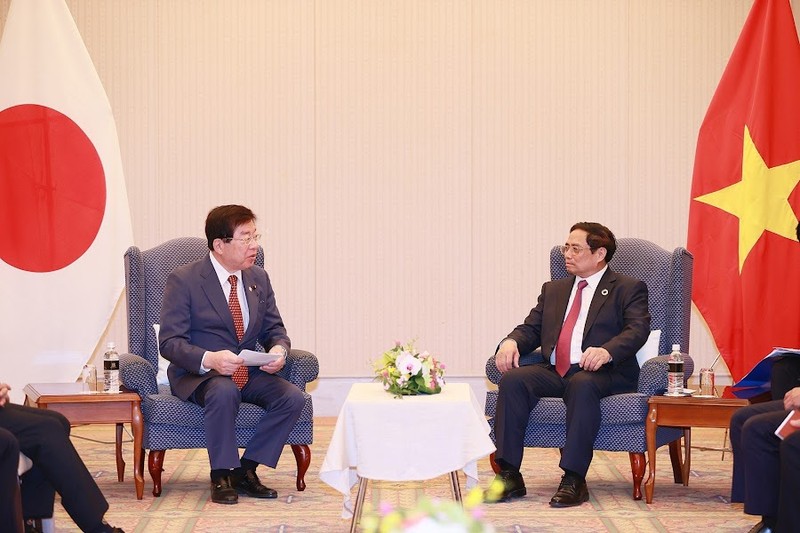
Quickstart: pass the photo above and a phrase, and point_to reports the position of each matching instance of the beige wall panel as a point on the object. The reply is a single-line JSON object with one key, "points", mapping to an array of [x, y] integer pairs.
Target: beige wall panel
{"points": [[214, 103], [412, 162]]}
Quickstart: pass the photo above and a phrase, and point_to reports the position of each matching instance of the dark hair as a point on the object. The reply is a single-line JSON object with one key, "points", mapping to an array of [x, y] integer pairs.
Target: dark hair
{"points": [[223, 220], [598, 236]]}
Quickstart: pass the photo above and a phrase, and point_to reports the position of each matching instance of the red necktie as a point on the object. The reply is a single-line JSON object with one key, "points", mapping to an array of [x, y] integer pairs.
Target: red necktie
{"points": [[565, 337], [240, 374]]}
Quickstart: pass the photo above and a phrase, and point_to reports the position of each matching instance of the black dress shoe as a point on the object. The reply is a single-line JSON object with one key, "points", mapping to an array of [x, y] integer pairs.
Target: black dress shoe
{"points": [[507, 485], [105, 527], [761, 527], [571, 492], [249, 484], [33, 526], [223, 492]]}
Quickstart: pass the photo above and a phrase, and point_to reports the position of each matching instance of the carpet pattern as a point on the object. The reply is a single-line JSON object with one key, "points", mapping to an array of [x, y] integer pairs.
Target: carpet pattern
{"points": [[184, 505]]}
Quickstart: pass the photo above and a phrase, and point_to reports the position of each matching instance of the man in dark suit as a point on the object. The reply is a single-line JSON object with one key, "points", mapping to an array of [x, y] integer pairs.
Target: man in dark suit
{"points": [[43, 436], [10, 504], [589, 327], [766, 469], [212, 310]]}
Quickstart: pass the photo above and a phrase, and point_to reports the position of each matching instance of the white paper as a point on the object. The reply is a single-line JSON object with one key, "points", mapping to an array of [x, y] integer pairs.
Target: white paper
{"points": [[786, 429], [253, 358]]}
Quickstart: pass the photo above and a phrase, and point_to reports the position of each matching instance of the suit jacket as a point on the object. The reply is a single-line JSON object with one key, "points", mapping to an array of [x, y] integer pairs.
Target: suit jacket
{"points": [[618, 320], [195, 318]]}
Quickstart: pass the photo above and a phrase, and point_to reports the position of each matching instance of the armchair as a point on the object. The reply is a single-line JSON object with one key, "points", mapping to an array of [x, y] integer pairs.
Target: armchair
{"points": [[668, 276], [169, 422]]}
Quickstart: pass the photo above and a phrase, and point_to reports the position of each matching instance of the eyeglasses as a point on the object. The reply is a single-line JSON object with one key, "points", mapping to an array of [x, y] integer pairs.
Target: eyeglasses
{"points": [[244, 240], [574, 248]]}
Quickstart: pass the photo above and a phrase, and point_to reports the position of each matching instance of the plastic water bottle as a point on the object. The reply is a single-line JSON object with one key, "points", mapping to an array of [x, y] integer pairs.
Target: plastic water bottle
{"points": [[111, 369], [675, 373]]}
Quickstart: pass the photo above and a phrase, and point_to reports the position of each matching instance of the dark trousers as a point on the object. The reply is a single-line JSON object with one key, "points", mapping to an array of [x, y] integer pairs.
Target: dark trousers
{"points": [[766, 470], [10, 503], [520, 390], [220, 399], [44, 437]]}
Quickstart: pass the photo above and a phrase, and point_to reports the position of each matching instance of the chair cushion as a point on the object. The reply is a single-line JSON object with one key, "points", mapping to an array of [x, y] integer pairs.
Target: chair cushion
{"points": [[619, 409], [171, 410]]}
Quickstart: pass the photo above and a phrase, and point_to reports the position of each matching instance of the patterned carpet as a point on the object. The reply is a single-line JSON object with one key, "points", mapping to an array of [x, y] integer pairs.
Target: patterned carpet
{"points": [[184, 505]]}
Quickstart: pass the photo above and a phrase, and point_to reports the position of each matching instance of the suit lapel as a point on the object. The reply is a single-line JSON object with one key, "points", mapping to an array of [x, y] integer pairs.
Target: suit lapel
{"points": [[216, 296], [562, 299], [563, 291], [601, 296], [252, 293]]}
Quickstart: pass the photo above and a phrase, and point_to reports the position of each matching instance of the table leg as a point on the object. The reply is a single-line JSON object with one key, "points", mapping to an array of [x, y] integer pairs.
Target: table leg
{"points": [[687, 455], [359, 505], [650, 427], [455, 487], [120, 460], [138, 457]]}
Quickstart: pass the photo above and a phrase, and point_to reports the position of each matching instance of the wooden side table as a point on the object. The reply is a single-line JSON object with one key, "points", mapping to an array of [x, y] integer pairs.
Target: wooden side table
{"points": [[684, 412], [82, 407]]}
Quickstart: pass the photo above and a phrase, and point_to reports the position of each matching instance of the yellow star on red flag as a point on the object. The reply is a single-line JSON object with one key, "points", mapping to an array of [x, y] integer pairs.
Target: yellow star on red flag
{"points": [[760, 200]]}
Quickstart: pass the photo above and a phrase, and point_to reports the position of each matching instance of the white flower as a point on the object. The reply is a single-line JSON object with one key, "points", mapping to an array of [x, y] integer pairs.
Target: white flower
{"points": [[407, 364]]}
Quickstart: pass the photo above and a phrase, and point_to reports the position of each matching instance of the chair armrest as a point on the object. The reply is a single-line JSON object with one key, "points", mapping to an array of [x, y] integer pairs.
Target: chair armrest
{"points": [[137, 374], [301, 367], [653, 374], [494, 375]]}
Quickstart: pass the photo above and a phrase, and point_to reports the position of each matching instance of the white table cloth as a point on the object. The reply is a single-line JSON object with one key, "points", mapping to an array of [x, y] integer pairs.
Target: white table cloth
{"points": [[378, 436]]}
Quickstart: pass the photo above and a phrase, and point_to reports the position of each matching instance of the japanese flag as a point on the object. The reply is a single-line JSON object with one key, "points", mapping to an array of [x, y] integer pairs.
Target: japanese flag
{"points": [[64, 218]]}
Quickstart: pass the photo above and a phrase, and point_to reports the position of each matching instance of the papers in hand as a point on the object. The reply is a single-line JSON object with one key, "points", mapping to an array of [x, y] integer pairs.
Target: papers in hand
{"points": [[786, 429], [253, 358]]}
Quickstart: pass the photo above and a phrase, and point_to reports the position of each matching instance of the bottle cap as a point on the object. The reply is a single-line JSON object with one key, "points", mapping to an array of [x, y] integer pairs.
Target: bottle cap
{"points": [[676, 347]]}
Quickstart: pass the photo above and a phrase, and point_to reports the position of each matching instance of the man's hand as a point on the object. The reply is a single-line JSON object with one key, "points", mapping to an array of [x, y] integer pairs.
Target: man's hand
{"points": [[593, 358], [507, 356], [791, 400], [4, 388], [277, 364], [224, 361]]}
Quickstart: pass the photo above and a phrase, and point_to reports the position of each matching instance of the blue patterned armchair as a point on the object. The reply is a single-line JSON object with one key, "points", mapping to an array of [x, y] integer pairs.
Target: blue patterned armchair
{"points": [[169, 422], [668, 276]]}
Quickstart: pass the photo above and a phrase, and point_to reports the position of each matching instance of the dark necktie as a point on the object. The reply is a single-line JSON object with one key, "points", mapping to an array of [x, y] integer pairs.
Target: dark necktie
{"points": [[240, 374], [563, 355]]}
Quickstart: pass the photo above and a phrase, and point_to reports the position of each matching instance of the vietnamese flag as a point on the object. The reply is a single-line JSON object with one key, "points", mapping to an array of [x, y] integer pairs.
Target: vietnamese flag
{"points": [[745, 204], [63, 205]]}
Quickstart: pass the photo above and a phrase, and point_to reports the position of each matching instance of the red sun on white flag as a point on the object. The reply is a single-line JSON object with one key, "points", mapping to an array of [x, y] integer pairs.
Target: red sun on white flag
{"points": [[51, 169]]}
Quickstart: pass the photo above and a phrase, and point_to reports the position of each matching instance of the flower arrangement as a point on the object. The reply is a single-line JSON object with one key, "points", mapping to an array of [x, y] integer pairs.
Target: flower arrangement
{"points": [[440, 516], [404, 371]]}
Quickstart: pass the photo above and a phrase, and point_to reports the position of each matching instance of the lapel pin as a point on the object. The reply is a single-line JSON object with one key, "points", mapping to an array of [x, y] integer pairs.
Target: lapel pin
{"points": [[252, 288], [604, 292]]}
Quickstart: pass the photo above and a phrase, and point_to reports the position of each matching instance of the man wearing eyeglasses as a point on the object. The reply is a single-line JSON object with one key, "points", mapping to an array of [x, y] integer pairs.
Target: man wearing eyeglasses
{"points": [[589, 327], [212, 310]]}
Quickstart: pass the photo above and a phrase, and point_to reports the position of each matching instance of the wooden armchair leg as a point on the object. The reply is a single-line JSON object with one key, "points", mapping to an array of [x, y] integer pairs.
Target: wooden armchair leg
{"points": [[155, 464], [302, 455], [637, 470], [493, 464]]}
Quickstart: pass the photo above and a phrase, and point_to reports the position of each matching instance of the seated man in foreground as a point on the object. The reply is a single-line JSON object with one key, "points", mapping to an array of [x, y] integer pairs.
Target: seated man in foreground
{"points": [[43, 436], [589, 326]]}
